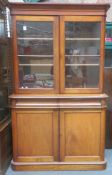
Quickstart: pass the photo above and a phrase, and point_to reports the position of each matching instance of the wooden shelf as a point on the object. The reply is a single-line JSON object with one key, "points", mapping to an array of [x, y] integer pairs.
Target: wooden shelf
{"points": [[48, 39], [82, 55], [83, 39], [108, 67], [81, 64], [35, 64], [49, 56]]}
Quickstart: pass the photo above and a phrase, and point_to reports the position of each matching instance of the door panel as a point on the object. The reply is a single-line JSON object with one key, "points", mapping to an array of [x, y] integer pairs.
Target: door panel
{"points": [[80, 135], [37, 135]]}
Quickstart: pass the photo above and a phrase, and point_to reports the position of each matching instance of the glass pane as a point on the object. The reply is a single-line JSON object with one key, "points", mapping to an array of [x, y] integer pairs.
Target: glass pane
{"points": [[82, 29], [82, 54], [35, 60], [31, 29], [82, 76], [82, 47], [35, 54], [36, 76], [35, 47], [71, 59]]}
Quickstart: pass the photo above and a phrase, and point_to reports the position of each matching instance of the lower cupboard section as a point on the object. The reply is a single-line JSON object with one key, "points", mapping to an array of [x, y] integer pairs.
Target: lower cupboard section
{"points": [[49, 139]]}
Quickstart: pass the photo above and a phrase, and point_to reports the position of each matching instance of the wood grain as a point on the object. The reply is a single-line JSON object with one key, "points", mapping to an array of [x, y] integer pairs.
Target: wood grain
{"points": [[37, 136], [80, 134]]}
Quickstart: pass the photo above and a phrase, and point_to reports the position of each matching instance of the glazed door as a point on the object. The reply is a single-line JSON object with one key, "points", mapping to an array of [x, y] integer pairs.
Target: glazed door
{"points": [[81, 63], [36, 54]]}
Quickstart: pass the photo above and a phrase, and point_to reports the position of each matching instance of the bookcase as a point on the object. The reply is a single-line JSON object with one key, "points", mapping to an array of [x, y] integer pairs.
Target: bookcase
{"points": [[58, 104]]}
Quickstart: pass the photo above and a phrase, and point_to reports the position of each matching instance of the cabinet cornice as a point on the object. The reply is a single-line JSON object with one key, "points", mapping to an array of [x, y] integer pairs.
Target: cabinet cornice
{"points": [[58, 9]]}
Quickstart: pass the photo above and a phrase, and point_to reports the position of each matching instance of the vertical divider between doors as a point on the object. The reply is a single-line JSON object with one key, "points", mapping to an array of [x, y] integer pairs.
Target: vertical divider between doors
{"points": [[62, 86], [55, 130], [62, 60], [56, 53], [62, 136], [58, 134]]}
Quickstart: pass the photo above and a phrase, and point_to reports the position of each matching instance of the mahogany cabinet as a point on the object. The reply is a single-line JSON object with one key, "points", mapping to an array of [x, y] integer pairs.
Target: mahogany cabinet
{"points": [[58, 104]]}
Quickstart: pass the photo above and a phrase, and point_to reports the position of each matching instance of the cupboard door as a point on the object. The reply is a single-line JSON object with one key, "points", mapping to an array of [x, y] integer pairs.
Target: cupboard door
{"points": [[82, 135], [36, 54], [35, 135], [82, 41]]}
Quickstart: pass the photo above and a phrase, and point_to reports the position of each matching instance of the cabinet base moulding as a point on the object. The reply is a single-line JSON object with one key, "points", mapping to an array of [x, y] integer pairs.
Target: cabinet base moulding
{"points": [[58, 166]]}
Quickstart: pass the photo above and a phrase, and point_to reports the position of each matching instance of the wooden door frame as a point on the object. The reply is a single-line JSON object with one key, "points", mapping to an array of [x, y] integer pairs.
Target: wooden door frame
{"points": [[63, 19], [55, 21]]}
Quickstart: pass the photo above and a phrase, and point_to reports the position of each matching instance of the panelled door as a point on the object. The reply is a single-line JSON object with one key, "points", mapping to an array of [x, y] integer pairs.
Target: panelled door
{"points": [[80, 132], [36, 135]]}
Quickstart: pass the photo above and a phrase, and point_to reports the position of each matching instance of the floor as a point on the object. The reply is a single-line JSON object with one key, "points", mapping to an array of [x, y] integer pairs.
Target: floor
{"points": [[107, 171]]}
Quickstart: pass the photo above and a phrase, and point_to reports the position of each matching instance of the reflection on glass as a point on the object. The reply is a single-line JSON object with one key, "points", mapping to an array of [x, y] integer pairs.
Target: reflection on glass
{"points": [[36, 60], [71, 59], [36, 76], [35, 47], [82, 54], [82, 47], [32, 29], [82, 29], [82, 76], [35, 54]]}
